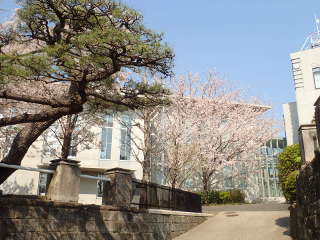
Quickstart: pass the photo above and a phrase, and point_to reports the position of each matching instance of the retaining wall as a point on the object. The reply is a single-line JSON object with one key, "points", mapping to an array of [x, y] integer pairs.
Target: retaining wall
{"points": [[22, 218], [305, 213]]}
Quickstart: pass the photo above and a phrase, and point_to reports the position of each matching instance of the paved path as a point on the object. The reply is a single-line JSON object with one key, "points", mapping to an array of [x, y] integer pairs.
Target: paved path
{"points": [[250, 224]]}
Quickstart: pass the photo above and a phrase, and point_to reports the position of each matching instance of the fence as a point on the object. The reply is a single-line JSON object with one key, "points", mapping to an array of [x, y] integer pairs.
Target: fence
{"points": [[119, 188], [150, 195]]}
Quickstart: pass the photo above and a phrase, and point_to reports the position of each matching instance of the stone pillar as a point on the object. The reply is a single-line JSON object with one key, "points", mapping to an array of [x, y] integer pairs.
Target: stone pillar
{"points": [[118, 191], [308, 142], [65, 182]]}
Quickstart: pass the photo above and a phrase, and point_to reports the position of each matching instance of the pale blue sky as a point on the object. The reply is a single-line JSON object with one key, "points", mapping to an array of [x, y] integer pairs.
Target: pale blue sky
{"points": [[247, 41]]}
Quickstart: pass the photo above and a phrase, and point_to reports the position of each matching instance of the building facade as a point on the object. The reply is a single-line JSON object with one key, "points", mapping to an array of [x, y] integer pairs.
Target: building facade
{"points": [[113, 149], [306, 76], [291, 122], [260, 183]]}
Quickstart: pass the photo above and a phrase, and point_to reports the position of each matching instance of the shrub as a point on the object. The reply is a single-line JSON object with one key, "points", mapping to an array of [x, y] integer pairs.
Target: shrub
{"points": [[223, 197], [289, 190], [288, 166], [237, 196]]}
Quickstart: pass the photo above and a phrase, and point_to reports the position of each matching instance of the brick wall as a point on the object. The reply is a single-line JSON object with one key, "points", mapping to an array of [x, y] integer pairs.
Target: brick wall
{"points": [[22, 218]]}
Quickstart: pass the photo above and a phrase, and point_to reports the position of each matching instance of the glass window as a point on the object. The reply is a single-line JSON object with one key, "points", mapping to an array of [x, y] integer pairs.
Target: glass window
{"points": [[271, 172], [268, 144], [42, 186], [263, 150], [51, 143], [316, 77], [73, 147], [125, 137], [269, 151], [281, 145], [108, 121], [106, 138], [266, 189], [272, 188]]}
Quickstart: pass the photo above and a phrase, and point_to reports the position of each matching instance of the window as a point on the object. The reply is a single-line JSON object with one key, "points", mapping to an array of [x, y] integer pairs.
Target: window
{"points": [[42, 186], [316, 77], [73, 147], [106, 138], [125, 138], [263, 150], [50, 143], [281, 144], [274, 143]]}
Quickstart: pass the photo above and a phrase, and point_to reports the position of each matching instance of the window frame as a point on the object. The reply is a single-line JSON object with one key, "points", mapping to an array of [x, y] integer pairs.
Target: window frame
{"points": [[108, 125], [316, 70], [125, 125]]}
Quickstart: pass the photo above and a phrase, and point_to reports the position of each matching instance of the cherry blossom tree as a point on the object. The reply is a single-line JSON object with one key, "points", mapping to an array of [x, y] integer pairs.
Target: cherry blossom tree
{"points": [[71, 134], [59, 55], [145, 147], [209, 126]]}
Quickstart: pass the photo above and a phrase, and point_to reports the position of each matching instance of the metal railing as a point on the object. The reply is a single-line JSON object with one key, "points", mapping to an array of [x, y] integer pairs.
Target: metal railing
{"points": [[150, 195], [48, 171]]}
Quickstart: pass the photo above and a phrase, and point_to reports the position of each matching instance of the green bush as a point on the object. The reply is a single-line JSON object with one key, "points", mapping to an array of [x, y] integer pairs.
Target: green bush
{"points": [[290, 186], [225, 197], [237, 196], [210, 197], [288, 166], [222, 197]]}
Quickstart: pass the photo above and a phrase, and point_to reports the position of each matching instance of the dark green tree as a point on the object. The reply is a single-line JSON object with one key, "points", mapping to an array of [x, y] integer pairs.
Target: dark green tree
{"points": [[59, 56], [288, 166]]}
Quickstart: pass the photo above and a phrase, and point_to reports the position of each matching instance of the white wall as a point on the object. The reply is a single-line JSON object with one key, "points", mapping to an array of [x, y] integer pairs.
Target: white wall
{"points": [[21, 181], [291, 122], [26, 182], [306, 94]]}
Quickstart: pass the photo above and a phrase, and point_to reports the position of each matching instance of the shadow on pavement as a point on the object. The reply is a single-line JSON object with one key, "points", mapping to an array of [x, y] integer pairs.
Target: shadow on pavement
{"points": [[284, 223], [246, 207]]}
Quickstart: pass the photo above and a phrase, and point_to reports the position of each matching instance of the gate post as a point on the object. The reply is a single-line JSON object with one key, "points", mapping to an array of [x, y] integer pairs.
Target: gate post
{"points": [[118, 191], [65, 182]]}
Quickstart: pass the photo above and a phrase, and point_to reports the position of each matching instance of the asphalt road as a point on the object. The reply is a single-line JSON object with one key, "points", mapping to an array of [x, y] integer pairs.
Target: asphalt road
{"points": [[243, 222]]}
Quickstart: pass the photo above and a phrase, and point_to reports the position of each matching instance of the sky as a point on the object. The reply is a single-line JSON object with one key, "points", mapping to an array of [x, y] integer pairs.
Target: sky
{"points": [[247, 42]]}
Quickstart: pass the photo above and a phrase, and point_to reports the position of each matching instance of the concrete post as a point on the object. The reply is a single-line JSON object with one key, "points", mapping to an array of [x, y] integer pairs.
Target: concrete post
{"points": [[118, 191], [65, 182], [308, 142]]}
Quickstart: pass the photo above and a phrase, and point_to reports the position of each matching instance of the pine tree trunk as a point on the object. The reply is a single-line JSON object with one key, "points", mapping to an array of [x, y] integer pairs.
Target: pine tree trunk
{"points": [[21, 145], [67, 137]]}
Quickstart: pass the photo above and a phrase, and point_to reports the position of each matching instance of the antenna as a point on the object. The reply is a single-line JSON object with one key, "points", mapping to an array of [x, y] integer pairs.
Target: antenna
{"points": [[313, 40], [317, 20]]}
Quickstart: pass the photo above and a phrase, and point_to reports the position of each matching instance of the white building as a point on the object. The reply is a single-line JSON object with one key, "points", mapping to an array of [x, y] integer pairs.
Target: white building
{"points": [[306, 76], [291, 122], [114, 150]]}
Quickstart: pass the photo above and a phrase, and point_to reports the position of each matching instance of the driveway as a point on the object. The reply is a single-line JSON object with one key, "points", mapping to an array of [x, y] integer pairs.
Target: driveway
{"points": [[243, 222]]}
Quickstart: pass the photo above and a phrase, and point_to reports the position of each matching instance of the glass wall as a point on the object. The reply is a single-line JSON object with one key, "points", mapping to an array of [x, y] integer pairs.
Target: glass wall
{"points": [[262, 181]]}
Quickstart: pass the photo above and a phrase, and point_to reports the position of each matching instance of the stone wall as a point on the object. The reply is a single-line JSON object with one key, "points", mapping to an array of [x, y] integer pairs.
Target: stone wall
{"points": [[305, 213], [22, 218]]}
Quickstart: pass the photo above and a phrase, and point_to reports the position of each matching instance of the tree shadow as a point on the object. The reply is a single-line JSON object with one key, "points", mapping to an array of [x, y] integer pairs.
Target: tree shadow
{"points": [[284, 222], [13, 187], [30, 217]]}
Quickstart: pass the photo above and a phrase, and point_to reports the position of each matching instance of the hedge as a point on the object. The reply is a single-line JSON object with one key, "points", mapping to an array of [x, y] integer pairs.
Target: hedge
{"points": [[223, 197]]}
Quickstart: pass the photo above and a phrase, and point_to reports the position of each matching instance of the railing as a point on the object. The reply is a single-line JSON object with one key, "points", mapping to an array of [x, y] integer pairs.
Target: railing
{"points": [[48, 171], [120, 190], [150, 195]]}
